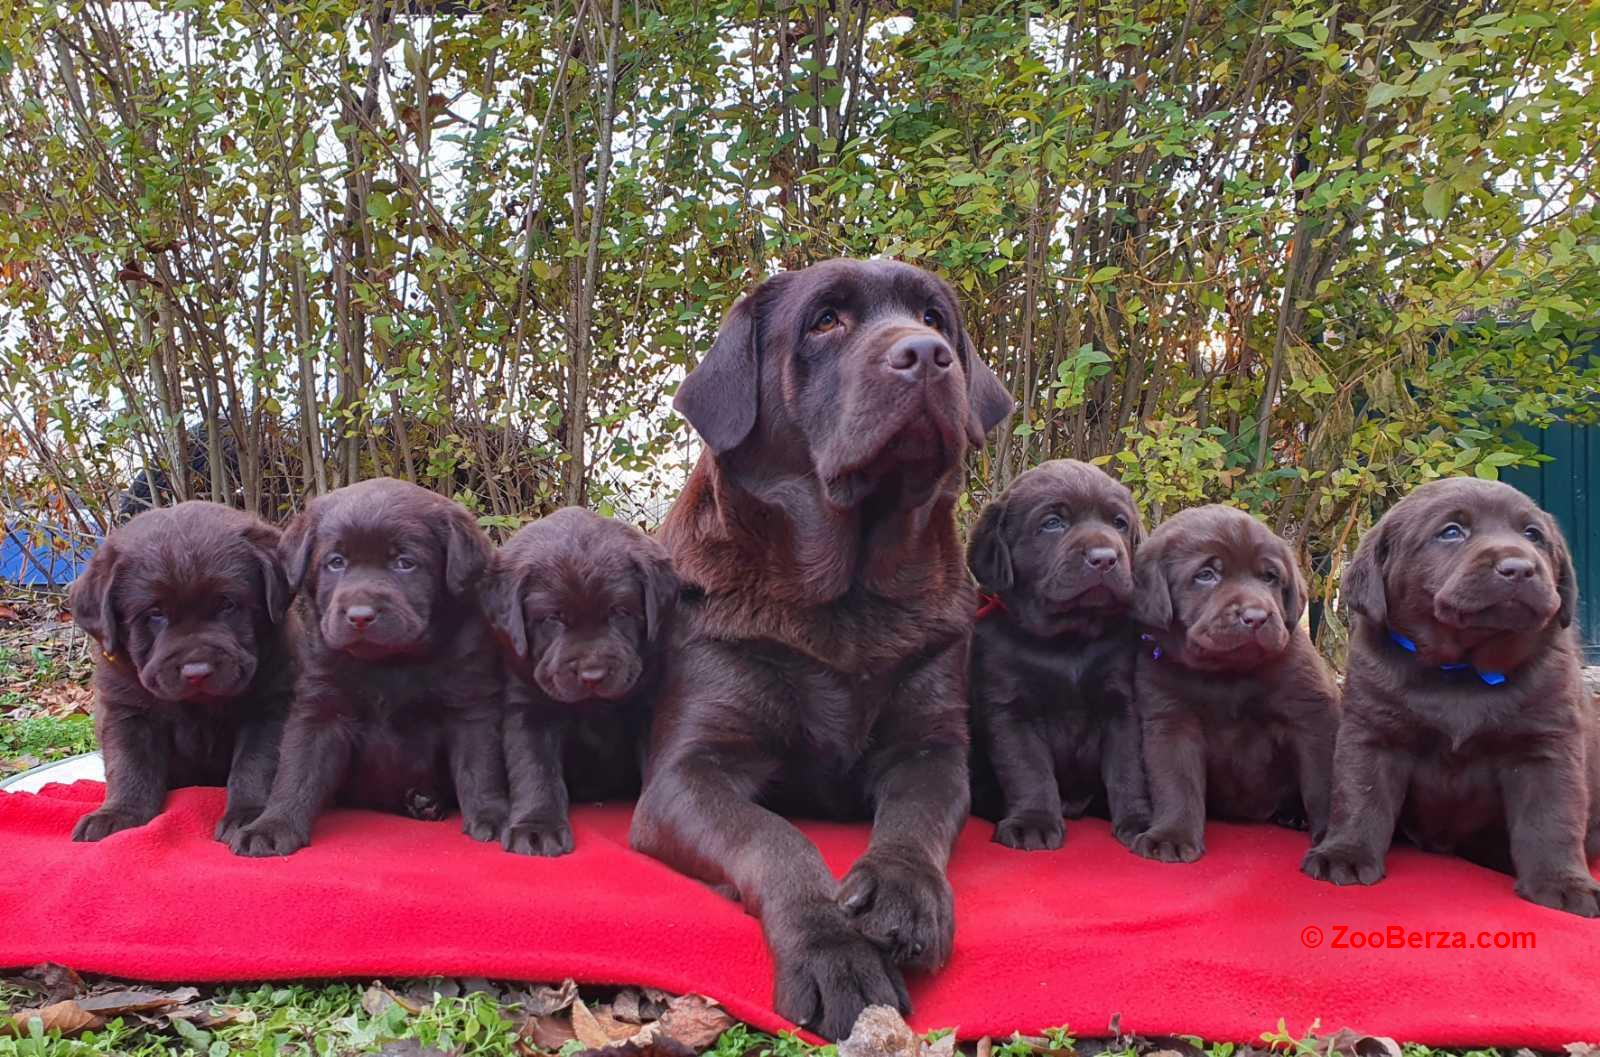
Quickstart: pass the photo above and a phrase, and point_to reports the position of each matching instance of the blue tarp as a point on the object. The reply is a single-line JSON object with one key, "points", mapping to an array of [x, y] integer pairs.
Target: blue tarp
{"points": [[42, 557]]}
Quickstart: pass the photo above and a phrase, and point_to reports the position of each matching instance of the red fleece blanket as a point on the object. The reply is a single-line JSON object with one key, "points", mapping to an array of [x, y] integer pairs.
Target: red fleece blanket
{"points": [[1222, 948]]}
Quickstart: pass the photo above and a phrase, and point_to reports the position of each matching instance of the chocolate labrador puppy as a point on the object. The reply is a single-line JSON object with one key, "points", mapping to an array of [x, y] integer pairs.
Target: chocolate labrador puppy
{"points": [[192, 680], [1052, 657], [581, 606], [1238, 710], [397, 704], [821, 662], [1466, 720]]}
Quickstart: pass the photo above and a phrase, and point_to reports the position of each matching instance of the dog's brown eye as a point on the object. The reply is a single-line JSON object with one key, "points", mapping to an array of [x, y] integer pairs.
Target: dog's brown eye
{"points": [[1207, 575], [226, 606], [403, 564], [1120, 522], [932, 317], [1053, 524], [1452, 533], [335, 563], [556, 620], [1533, 533], [826, 321], [155, 615], [1269, 577]]}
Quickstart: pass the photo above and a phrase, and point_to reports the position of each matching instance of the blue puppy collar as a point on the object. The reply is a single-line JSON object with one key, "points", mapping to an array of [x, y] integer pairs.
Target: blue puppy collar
{"points": [[1491, 678]]}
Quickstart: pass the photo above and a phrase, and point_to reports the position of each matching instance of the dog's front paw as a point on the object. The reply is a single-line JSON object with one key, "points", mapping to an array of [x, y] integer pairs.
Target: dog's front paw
{"points": [[1575, 893], [1168, 846], [1342, 864], [234, 820], [1031, 831], [486, 824], [1127, 830], [101, 824], [538, 838], [268, 836], [904, 905], [828, 972]]}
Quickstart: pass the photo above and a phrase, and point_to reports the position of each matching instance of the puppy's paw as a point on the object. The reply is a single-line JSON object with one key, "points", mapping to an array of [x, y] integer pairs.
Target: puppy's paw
{"points": [[1575, 893], [1030, 831], [538, 838], [101, 824], [903, 905], [1165, 846], [268, 836], [1341, 864], [484, 825], [828, 972], [1127, 830], [234, 820]]}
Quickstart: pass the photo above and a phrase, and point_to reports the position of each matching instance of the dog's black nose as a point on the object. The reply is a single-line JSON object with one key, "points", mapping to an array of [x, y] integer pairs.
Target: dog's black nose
{"points": [[923, 354], [593, 674], [1514, 568], [196, 673], [1253, 617], [360, 616], [1100, 558]]}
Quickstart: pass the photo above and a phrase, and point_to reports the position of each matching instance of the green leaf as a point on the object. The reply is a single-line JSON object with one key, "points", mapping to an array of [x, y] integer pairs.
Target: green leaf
{"points": [[1437, 198], [1486, 471], [1541, 318], [7, 60], [1106, 274]]}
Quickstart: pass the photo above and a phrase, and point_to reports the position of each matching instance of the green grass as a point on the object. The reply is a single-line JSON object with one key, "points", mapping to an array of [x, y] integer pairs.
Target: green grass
{"points": [[46, 737]]}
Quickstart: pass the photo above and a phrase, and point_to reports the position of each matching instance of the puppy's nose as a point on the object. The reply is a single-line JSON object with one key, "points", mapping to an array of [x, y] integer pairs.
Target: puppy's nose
{"points": [[920, 355], [360, 616], [195, 673], [593, 674], [1252, 617], [1514, 568], [1100, 558]]}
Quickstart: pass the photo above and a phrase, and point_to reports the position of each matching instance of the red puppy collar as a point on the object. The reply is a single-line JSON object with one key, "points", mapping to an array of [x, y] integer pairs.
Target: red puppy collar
{"points": [[989, 605]]}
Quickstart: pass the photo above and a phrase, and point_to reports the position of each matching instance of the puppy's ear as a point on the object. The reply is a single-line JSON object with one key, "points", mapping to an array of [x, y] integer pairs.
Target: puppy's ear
{"points": [[265, 540], [1362, 584], [988, 553], [467, 551], [1294, 590], [1152, 594], [500, 598], [721, 395], [988, 402], [295, 547], [661, 587], [1566, 575], [92, 599]]}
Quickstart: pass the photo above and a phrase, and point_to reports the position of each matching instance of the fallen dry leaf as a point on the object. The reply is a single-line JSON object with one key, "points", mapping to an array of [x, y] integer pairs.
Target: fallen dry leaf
{"points": [[1347, 1043], [543, 1001], [66, 1017], [545, 1034], [880, 1031], [52, 982], [985, 1047], [587, 1030], [657, 1047], [695, 1021], [379, 998], [7, 613], [943, 1046], [121, 1003], [628, 1005]]}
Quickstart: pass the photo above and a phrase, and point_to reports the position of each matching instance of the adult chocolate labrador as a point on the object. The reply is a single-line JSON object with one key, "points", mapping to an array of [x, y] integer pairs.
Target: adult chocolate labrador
{"points": [[193, 678], [1238, 710], [821, 665], [1052, 659], [1466, 719]]}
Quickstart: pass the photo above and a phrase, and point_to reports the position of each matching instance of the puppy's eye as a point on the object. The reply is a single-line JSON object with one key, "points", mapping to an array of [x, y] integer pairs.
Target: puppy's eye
{"points": [[156, 616], [826, 320], [1208, 575], [226, 606], [1534, 533], [932, 317], [1452, 533], [1121, 523], [402, 564], [1053, 524], [1269, 576], [556, 620], [335, 563]]}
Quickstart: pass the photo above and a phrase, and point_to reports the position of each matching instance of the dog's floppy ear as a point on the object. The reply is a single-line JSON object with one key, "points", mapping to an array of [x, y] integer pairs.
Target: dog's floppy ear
{"points": [[1362, 585], [92, 599], [988, 553], [1294, 590], [466, 552], [265, 540], [721, 395], [988, 402], [1152, 593], [500, 598], [296, 545], [1566, 574], [661, 587]]}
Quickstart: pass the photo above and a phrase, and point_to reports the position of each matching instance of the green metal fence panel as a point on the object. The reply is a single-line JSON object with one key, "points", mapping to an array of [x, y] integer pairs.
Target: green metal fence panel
{"points": [[1569, 488]]}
